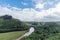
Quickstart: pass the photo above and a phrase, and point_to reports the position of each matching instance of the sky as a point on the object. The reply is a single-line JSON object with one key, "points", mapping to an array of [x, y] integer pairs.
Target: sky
{"points": [[31, 10]]}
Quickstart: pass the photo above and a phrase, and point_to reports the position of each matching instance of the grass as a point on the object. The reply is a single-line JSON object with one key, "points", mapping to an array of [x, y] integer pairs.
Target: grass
{"points": [[17, 34], [11, 35], [54, 37]]}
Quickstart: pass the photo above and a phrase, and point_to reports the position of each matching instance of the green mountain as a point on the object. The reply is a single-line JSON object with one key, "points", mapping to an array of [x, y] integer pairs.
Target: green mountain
{"points": [[8, 23]]}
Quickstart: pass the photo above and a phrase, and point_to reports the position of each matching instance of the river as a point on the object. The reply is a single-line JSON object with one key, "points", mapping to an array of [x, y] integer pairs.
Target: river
{"points": [[31, 30]]}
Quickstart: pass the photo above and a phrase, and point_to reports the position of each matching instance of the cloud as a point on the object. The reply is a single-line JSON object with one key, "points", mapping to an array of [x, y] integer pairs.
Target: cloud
{"points": [[52, 13], [30, 14], [46, 15], [22, 14], [45, 4], [39, 5], [24, 3]]}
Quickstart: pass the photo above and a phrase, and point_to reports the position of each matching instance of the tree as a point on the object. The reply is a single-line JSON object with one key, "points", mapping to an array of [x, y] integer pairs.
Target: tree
{"points": [[45, 29]]}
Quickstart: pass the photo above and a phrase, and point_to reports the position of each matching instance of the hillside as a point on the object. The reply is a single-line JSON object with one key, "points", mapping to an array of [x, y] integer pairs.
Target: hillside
{"points": [[8, 23], [11, 35]]}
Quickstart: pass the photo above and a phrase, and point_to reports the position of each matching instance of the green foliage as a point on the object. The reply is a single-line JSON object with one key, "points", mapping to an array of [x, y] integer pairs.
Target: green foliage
{"points": [[43, 30], [7, 23], [47, 28], [54, 37], [11, 35]]}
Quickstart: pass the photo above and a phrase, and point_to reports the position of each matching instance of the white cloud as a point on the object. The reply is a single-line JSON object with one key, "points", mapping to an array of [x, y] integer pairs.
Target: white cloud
{"points": [[30, 14], [24, 15], [24, 3], [39, 5], [53, 12]]}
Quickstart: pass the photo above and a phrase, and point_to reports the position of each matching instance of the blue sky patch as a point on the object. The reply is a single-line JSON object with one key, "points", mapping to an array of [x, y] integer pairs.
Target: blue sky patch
{"points": [[28, 3]]}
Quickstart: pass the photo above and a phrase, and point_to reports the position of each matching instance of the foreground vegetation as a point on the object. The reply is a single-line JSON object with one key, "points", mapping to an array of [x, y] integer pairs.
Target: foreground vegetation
{"points": [[11, 35], [45, 31], [38, 36]]}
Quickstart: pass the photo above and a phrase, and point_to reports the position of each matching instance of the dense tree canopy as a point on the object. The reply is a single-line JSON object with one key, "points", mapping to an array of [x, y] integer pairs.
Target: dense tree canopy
{"points": [[44, 29]]}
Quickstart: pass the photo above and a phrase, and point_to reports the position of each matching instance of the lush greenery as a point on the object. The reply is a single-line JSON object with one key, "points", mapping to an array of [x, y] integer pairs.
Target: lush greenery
{"points": [[8, 23], [44, 31], [11, 35]]}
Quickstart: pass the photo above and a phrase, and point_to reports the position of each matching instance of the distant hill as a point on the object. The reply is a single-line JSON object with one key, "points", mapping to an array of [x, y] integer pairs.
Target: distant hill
{"points": [[8, 23]]}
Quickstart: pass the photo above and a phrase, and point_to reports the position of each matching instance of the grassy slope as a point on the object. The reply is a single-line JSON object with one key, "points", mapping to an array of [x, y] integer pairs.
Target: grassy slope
{"points": [[11, 35], [54, 37]]}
